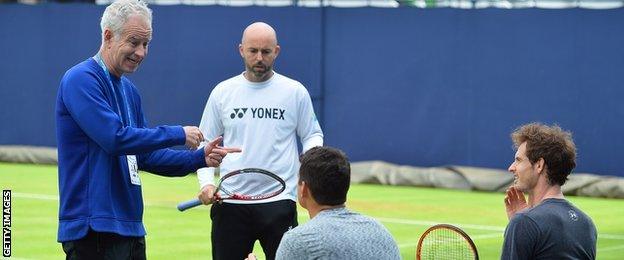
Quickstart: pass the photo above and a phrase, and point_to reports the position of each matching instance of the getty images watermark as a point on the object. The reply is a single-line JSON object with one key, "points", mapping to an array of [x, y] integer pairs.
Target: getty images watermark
{"points": [[6, 223]]}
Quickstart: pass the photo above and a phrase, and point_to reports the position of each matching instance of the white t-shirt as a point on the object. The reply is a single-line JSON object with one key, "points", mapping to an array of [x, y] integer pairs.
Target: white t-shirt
{"points": [[262, 118]]}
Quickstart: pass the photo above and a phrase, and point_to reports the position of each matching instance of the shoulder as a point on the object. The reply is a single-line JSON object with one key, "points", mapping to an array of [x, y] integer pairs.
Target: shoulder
{"points": [[351, 221], [309, 228], [227, 84], [301, 235], [521, 236], [231, 81], [286, 80], [523, 219], [561, 210], [289, 83], [295, 245], [372, 225], [83, 77], [549, 209], [523, 226], [358, 217], [81, 71], [566, 206]]}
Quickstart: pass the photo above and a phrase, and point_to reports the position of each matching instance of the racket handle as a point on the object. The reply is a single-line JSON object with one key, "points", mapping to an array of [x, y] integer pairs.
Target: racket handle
{"points": [[189, 204]]}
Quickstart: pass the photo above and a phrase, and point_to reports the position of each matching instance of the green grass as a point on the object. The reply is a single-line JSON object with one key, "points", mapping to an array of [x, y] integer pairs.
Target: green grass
{"points": [[405, 211]]}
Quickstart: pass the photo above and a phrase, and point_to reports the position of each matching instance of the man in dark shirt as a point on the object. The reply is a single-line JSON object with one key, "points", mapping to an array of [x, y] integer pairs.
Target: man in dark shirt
{"points": [[547, 226]]}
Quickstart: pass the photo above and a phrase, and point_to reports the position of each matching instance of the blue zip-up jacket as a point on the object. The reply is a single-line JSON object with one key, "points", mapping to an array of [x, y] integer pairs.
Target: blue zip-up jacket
{"points": [[93, 141]]}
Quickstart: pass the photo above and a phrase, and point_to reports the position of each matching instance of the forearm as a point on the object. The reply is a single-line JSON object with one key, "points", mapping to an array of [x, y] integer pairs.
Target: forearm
{"points": [[172, 163], [205, 176]]}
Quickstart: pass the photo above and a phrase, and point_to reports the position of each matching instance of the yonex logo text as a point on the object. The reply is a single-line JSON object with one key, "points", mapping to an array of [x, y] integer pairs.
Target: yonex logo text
{"points": [[259, 113]]}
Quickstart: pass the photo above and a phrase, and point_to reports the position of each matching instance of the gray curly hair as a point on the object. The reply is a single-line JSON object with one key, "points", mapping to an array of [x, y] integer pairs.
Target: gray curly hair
{"points": [[117, 13]]}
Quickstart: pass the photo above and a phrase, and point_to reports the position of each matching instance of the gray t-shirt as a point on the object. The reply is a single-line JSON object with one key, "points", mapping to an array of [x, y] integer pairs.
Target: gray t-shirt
{"points": [[554, 229], [338, 234]]}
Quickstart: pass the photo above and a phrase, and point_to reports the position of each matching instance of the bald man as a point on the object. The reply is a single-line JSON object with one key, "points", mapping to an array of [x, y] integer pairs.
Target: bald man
{"points": [[262, 112]]}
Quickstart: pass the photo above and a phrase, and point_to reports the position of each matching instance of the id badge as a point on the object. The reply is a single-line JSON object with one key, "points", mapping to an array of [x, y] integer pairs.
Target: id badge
{"points": [[133, 169]]}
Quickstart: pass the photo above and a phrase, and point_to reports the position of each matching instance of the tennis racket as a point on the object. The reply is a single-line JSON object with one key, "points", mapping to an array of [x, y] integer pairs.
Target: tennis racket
{"points": [[444, 241], [244, 184]]}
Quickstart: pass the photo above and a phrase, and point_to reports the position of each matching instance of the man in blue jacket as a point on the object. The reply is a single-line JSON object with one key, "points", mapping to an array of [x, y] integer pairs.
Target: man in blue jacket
{"points": [[103, 141]]}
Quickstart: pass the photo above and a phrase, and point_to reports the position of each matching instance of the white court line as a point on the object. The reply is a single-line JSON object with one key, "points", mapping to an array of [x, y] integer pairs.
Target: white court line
{"points": [[431, 223], [34, 196], [386, 220], [487, 236], [477, 237], [610, 236], [604, 249], [470, 226]]}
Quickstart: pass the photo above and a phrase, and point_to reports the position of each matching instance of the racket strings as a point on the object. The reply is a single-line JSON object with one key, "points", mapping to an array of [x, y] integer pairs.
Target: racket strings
{"points": [[445, 244], [250, 185]]}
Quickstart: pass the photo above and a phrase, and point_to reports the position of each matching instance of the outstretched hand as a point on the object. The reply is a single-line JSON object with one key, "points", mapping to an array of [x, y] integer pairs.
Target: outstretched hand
{"points": [[215, 153], [514, 201]]}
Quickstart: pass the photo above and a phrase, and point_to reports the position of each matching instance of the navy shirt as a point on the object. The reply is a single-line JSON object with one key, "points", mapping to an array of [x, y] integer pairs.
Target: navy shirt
{"points": [[554, 229], [95, 130]]}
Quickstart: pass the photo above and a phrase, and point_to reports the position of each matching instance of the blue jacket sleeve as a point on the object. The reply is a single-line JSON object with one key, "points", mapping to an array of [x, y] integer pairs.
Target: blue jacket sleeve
{"points": [[86, 101], [168, 162]]}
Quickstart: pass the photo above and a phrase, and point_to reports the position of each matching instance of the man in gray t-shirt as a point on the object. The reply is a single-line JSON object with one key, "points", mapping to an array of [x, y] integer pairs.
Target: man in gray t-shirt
{"points": [[338, 233], [333, 232], [547, 226]]}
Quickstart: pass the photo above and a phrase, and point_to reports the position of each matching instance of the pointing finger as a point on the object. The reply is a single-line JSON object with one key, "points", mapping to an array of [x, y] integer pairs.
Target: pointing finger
{"points": [[215, 142], [230, 149]]}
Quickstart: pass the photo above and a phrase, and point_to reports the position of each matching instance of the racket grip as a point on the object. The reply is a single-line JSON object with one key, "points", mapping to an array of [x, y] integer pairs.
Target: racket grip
{"points": [[189, 204]]}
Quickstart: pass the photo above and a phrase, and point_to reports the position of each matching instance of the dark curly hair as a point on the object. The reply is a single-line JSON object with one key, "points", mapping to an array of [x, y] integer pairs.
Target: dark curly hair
{"points": [[551, 143]]}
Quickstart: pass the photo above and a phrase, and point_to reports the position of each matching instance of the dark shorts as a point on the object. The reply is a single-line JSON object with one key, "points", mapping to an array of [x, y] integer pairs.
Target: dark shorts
{"points": [[105, 246], [235, 227]]}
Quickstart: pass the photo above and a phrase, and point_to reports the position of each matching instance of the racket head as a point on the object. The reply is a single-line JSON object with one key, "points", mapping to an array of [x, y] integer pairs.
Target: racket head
{"points": [[444, 241], [249, 184]]}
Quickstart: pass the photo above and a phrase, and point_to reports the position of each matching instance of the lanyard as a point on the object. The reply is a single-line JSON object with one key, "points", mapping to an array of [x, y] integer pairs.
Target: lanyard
{"points": [[99, 60]]}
